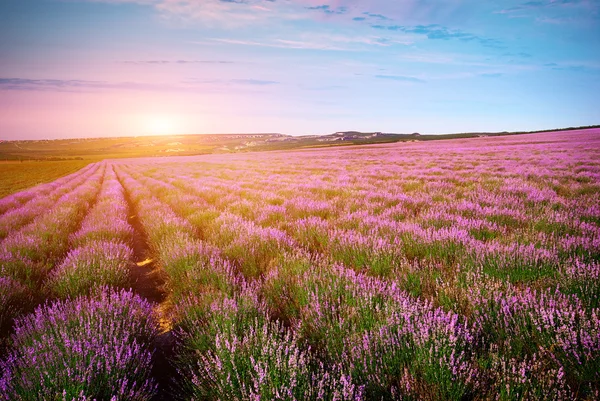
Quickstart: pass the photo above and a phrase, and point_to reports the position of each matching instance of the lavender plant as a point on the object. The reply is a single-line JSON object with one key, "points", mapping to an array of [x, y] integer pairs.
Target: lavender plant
{"points": [[232, 350], [93, 347], [14, 299], [100, 263]]}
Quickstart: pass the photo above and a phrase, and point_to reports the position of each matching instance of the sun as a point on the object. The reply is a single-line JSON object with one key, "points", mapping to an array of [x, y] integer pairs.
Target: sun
{"points": [[161, 125]]}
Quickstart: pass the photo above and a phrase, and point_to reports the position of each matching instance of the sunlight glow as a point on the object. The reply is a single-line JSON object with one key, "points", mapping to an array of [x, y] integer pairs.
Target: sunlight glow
{"points": [[161, 125]]}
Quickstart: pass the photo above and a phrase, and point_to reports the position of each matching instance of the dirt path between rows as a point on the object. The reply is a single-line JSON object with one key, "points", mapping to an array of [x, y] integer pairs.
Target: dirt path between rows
{"points": [[148, 282]]}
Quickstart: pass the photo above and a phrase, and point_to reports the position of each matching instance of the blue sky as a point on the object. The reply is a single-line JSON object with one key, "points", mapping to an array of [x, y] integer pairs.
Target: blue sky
{"points": [[77, 68]]}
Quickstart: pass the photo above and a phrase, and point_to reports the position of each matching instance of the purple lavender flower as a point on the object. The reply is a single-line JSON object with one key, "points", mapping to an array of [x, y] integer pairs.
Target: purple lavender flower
{"points": [[95, 347], [85, 268]]}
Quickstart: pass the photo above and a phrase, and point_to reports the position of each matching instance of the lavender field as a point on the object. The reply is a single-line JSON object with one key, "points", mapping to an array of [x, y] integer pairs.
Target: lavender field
{"points": [[447, 270]]}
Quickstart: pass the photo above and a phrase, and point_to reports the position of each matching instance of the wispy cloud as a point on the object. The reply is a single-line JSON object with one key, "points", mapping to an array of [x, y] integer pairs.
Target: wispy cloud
{"points": [[400, 78], [150, 2], [556, 20], [230, 14], [282, 44], [331, 42], [237, 82], [163, 62], [235, 13], [555, 11], [376, 16], [258, 82], [519, 54], [74, 85], [322, 88], [537, 5], [435, 31], [524, 6], [326, 9], [473, 61], [589, 67]]}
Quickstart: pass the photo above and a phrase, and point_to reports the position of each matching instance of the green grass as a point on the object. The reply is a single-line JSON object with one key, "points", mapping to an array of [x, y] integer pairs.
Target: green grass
{"points": [[16, 176]]}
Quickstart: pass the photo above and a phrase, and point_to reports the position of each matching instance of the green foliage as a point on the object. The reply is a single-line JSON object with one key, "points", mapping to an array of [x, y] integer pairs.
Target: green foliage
{"points": [[17, 176]]}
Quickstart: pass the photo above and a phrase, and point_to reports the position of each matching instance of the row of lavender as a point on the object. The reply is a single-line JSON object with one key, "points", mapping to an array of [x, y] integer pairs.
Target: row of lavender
{"points": [[376, 275], [95, 342]]}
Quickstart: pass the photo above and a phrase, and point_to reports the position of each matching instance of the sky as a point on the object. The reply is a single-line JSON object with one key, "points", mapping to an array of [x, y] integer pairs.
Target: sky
{"points": [[91, 68]]}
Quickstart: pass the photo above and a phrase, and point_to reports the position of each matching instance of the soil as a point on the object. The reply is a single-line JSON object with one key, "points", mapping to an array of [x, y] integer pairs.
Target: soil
{"points": [[148, 281]]}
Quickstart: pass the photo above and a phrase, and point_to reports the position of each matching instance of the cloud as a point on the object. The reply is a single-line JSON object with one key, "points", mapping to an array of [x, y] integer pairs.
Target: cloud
{"points": [[461, 65], [328, 10], [74, 85], [522, 55], [232, 14], [427, 18], [573, 67], [68, 85], [536, 5], [235, 13], [162, 62], [238, 82], [555, 11], [143, 2], [524, 6], [400, 78], [282, 44], [258, 82], [326, 42], [435, 31], [376, 16], [321, 88], [556, 20]]}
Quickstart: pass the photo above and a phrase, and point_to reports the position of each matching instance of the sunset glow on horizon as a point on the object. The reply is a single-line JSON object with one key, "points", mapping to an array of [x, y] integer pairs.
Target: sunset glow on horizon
{"points": [[85, 68]]}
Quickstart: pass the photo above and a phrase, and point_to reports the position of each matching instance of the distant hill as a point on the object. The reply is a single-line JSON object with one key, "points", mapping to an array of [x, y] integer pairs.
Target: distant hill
{"points": [[151, 146]]}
